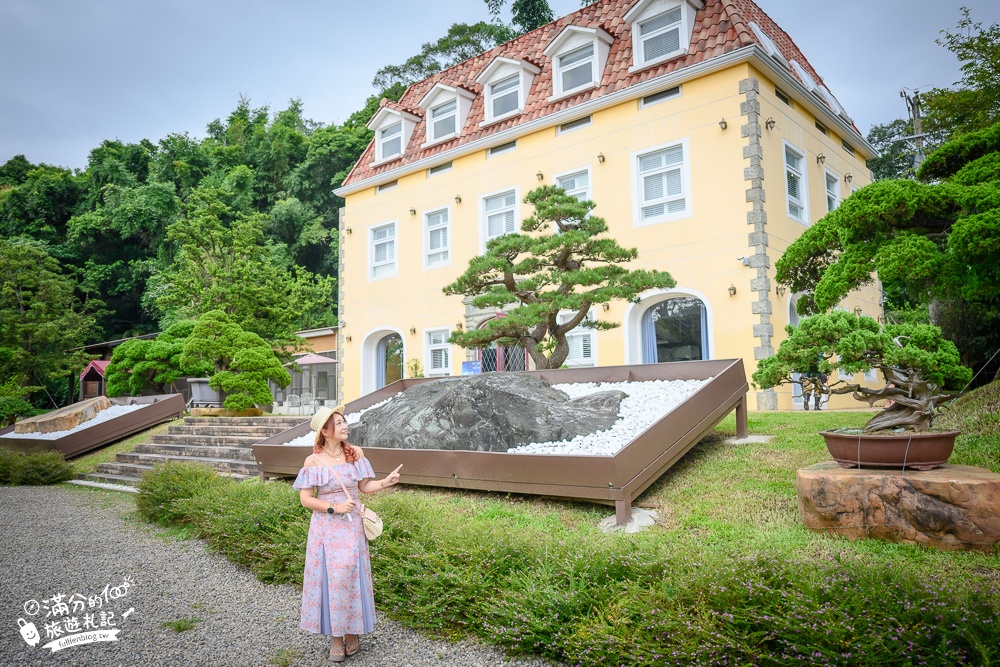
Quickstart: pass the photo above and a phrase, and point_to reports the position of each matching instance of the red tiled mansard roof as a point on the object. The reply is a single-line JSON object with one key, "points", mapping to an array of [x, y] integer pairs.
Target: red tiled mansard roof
{"points": [[720, 26]]}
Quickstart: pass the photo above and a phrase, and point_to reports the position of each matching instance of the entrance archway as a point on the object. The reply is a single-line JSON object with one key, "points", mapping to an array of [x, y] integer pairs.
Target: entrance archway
{"points": [[382, 355], [669, 325]]}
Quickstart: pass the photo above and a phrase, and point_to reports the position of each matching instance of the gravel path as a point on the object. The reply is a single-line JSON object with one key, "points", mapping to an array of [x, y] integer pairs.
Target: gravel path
{"points": [[60, 541]]}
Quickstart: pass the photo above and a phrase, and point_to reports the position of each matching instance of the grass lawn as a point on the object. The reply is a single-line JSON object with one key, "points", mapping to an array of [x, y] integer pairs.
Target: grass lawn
{"points": [[88, 462], [728, 576]]}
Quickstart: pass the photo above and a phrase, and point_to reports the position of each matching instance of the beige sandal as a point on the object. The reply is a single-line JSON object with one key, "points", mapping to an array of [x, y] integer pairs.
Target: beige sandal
{"points": [[337, 652], [353, 646]]}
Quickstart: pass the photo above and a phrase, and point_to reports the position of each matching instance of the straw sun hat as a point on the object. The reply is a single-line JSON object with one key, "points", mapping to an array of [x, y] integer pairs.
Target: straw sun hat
{"points": [[323, 415]]}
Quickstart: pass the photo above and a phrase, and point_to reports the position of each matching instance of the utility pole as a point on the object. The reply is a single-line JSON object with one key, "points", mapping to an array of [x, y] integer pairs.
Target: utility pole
{"points": [[913, 106]]}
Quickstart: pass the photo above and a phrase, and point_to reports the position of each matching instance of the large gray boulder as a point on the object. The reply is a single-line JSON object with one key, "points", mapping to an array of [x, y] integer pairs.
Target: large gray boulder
{"points": [[484, 413]]}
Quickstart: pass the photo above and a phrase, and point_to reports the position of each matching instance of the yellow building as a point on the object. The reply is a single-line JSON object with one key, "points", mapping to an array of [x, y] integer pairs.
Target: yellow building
{"points": [[698, 128]]}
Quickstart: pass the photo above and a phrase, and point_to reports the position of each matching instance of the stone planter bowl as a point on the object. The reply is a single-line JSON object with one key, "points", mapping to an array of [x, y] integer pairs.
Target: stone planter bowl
{"points": [[919, 451]]}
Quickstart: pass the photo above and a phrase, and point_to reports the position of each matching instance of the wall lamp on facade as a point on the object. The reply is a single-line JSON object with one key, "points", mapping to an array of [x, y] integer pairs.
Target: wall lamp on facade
{"points": [[348, 230], [413, 211], [769, 123], [600, 158], [780, 290], [848, 177], [347, 338], [723, 124], [606, 307], [458, 325], [458, 199], [881, 319], [732, 290], [857, 311], [746, 262], [413, 330], [539, 175], [820, 159]]}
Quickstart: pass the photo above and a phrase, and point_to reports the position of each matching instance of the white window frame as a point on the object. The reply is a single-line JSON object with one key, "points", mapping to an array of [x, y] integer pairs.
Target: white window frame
{"points": [[828, 177], [665, 95], [581, 333], [571, 39], [397, 136], [428, 251], [372, 242], [484, 217], [804, 76], [643, 38], [497, 71], [646, 10], [439, 95], [432, 120], [769, 46], [430, 347], [637, 185], [871, 375], [587, 191], [386, 118], [802, 173], [574, 125]]}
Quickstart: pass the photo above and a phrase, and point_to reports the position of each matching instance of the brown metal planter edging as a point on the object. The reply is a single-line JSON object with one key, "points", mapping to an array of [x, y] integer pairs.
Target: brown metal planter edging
{"points": [[161, 408], [603, 479]]}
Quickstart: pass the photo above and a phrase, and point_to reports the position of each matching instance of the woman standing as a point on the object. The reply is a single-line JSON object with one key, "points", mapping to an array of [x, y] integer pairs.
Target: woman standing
{"points": [[337, 598]]}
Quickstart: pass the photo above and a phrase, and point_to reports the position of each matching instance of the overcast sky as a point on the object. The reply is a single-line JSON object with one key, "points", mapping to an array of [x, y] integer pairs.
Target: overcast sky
{"points": [[76, 72]]}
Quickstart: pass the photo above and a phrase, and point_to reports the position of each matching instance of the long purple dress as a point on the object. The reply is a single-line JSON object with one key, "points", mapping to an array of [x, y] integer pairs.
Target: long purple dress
{"points": [[337, 596]]}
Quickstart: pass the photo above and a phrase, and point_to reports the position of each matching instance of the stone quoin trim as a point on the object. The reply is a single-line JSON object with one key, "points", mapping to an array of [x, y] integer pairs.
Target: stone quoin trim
{"points": [[757, 240], [340, 300]]}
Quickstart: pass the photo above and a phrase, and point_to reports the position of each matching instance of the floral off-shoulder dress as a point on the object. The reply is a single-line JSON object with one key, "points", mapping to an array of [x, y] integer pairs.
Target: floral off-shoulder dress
{"points": [[337, 596]]}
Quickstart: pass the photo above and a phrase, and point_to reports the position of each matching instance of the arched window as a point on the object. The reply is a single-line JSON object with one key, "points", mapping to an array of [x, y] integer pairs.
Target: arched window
{"points": [[675, 329], [388, 360]]}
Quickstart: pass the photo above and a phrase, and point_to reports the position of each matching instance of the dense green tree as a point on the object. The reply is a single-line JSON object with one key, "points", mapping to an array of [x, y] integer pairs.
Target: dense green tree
{"points": [[15, 171], [152, 365], [974, 105], [241, 362], [896, 153], [562, 262], [463, 41], [223, 263], [41, 206], [938, 243], [41, 319], [526, 15]]}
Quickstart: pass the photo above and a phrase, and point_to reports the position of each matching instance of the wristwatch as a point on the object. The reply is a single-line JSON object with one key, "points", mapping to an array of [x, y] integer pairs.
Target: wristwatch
{"points": [[330, 510]]}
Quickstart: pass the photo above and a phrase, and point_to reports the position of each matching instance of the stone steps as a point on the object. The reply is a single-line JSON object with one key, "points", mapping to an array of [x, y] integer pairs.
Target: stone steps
{"points": [[222, 443], [196, 450], [229, 431], [207, 440]]}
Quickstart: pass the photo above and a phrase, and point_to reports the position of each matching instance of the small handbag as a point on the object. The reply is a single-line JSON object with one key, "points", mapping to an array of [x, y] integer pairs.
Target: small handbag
{"points": [[372, 522]]}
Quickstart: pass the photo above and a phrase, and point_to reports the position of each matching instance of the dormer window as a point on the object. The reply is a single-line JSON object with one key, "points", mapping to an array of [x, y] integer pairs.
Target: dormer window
{"points": [[506, 83], [578, 58], [661, 30], [393, 128], [447, 108]]}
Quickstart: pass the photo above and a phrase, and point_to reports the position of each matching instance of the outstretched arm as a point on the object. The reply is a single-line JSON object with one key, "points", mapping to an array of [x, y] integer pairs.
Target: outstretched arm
{"points": [[376, 485]]}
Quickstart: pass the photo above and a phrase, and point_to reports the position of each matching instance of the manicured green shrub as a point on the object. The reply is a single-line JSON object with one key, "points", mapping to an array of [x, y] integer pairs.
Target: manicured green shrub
{"points": [[166, 484], [33, 469], [531, 584]]}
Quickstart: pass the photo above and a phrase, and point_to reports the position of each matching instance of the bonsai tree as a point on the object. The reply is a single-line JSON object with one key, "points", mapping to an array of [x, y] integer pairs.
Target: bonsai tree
{"points": [[560, 263], [241, 362], [152, 365], [915, 361]]}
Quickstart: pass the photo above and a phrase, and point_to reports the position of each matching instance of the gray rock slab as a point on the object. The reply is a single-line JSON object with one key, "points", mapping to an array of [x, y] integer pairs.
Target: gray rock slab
{"points": [[486, 413]]}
